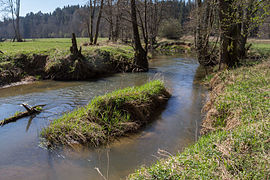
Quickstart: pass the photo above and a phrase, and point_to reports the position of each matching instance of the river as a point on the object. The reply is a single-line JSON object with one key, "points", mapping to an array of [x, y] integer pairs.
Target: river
{"points": [[22, 157]]}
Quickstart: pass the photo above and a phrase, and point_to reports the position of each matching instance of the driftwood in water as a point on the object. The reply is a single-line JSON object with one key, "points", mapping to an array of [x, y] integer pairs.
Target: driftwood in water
{"points": [[29, 111]]}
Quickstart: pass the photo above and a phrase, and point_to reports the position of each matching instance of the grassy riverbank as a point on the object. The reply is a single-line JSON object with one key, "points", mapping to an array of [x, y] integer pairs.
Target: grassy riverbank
{"points": [[37, 59], [51, 59], [236, 140], [109, 116]]}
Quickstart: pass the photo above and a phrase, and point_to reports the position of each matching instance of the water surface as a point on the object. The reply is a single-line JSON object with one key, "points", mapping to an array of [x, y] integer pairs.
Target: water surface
{"points": [[22, 158]]}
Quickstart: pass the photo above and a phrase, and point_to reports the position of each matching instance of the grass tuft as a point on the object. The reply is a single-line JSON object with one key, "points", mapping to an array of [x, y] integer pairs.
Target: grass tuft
{"points": [[108, 116]]}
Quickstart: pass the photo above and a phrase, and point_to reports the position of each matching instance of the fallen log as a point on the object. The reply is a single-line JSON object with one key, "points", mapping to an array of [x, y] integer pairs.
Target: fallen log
{"points": [[29, 111]]}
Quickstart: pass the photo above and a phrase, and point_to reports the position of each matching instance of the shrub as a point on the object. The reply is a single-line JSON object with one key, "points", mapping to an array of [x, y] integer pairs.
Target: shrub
{"points": [[171, 29]]}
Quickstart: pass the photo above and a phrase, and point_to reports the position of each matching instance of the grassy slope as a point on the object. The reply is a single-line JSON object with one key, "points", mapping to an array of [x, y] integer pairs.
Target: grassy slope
{"points": [[108, 116], [237, 145], [57, 51]]}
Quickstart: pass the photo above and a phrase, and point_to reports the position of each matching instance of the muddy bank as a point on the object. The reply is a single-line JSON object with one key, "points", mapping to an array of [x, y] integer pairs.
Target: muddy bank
{"points": [[173, 48], [26, 68], [30, 67], [109, 116]]}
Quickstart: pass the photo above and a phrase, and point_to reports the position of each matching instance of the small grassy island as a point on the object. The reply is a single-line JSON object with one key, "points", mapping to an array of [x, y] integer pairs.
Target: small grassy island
{"points": [[109, 116], [236, 140]]}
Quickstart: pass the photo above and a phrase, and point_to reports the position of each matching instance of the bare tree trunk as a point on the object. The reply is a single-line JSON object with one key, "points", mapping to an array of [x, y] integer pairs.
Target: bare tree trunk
{"points": [[74, 48], [247, 15], [15, 13], [18, 5], [198, 34], [88, 28], [98, 21], [155, 18], [110, 20], [91, 22], [11, 6], [140, 58], [145, 27], [229, 35], [115, 34], [224, 41], [205, 20]]}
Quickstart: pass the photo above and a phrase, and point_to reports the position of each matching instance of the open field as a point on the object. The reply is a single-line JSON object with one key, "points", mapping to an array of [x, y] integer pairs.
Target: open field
{"points": [[108, 116], [53, 45], [51, 59], [262, 46], [236, 144]]}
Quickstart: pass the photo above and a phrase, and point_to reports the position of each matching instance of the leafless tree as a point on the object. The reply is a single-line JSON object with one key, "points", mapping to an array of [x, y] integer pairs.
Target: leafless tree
{"points": [[13, 7], [140, 58], [92, 9], [98, 20]]}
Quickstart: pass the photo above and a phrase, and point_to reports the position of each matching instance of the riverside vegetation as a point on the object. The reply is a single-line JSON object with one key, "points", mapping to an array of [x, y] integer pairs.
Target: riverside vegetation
{"points": [[236, 140], [51, 59], [107, 117]]}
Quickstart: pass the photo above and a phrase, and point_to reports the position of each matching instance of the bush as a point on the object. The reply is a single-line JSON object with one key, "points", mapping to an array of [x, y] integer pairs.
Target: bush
{"points": [[171, 29]]}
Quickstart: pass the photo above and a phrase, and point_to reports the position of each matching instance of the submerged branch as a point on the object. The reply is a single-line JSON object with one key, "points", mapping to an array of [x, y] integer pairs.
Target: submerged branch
{"points": [[30, 111]]}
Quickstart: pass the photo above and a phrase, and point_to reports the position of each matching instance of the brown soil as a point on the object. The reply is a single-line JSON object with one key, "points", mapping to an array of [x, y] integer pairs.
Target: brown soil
{"points": [[68, 68]]}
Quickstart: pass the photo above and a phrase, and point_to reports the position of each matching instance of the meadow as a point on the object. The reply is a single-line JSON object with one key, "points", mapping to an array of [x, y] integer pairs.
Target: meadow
{"points": [[50, 44], [55, 45], [261, 46], [52, 59]]}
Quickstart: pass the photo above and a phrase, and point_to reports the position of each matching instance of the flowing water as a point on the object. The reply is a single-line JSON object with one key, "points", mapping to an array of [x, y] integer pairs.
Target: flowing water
{"points": [[22, 157]]}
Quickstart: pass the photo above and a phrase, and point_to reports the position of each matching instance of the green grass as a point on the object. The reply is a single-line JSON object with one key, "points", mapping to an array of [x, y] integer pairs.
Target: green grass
{"points": [[54, 46], [237, 140], [39, 45], [263, 48], [108, 116], [17, 57]]}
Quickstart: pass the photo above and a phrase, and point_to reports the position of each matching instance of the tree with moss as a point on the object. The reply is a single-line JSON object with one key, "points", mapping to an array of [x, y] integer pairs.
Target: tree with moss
{"points": [[231, 22]]}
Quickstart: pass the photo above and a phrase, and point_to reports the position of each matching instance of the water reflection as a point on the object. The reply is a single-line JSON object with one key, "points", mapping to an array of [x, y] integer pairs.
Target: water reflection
{"points": [[21, 157], [29, 122]]}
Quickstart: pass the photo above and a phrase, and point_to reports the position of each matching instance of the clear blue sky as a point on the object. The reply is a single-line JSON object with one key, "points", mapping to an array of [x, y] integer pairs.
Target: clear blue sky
{"points": [[46, 6]]}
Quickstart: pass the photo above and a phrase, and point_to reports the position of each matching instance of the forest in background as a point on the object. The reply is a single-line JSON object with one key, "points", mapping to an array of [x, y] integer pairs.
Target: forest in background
{"points": [[176, 16], [63, 21]]}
